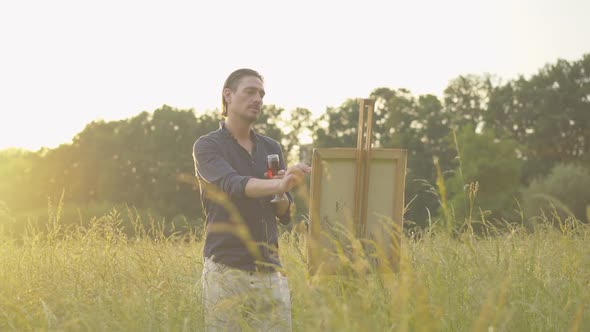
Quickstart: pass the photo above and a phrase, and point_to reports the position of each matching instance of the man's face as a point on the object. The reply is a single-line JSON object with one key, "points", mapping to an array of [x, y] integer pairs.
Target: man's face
{"points": [[246, 101]]}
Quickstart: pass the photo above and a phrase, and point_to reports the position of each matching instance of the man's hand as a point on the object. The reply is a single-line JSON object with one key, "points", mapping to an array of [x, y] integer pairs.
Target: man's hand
{"points": [[288, 179], [293, 177], [283, 182], [278, 176]]}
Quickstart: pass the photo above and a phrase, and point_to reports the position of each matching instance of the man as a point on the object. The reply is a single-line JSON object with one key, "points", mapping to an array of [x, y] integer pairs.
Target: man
{"points": [[243, 286]]}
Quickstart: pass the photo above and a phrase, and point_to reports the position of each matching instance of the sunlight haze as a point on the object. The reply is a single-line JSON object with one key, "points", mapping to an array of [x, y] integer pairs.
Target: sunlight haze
{"points": [[66, 63]]}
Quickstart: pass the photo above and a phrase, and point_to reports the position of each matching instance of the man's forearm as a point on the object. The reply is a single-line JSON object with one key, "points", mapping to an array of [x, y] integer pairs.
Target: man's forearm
{"points": [[256, 188]]}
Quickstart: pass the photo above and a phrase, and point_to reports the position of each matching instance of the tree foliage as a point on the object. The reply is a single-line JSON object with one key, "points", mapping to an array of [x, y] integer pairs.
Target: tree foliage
{"points": [[487, 177], [564, 191], [508, 134]]}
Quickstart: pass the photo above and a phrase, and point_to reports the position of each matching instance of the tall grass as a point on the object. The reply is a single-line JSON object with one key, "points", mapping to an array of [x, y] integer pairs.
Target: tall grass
{"points": [[96, 278], [99, 278]]}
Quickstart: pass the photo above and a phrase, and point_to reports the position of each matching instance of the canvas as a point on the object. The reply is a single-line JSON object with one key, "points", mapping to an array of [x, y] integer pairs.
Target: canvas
{"points": [[337, 239]]}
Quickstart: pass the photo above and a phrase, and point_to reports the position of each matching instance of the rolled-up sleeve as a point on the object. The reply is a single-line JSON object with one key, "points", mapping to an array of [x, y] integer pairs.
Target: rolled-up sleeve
{"points": [[211, 167]]}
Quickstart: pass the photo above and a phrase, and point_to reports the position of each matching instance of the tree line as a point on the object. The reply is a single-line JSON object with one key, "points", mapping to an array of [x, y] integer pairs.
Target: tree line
{"points": [[487, 148]]}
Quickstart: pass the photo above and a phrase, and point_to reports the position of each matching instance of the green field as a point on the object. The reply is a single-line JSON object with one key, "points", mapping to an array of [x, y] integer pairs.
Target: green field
{"points": [[99, 278]]}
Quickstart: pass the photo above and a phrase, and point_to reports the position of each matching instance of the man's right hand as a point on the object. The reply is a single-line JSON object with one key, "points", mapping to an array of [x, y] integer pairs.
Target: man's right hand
{"points": [[294, 176]]}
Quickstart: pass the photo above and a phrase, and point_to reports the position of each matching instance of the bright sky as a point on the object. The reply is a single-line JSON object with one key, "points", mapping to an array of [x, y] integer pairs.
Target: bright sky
{"points": [[66, 63]]}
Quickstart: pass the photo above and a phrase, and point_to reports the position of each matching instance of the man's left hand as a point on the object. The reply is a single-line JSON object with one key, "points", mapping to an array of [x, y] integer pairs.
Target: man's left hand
{"points": [[280, 175]]}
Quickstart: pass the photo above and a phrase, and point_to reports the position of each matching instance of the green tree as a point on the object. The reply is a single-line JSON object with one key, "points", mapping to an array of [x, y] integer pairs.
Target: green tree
{"points": [[144, 161], [299, 128], [466, 99], [417, 125], [494, 166], [547, 115], [339, 126], [16, 167], [565, 189]]}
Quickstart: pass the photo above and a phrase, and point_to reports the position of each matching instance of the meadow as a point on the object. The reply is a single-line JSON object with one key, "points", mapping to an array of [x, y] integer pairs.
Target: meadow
{"points": [[98, 276]]}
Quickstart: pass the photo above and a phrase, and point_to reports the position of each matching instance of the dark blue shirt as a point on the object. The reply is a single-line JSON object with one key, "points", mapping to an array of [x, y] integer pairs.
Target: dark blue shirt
{"points": [[241, 232]]}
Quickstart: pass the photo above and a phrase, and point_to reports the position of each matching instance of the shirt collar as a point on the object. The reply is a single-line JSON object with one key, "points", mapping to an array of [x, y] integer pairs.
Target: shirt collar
{"points": [[228, 133]]}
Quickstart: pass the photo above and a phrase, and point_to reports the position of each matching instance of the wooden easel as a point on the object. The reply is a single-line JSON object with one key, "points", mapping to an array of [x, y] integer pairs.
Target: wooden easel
{"points": [[363, 164], [371, 209]]}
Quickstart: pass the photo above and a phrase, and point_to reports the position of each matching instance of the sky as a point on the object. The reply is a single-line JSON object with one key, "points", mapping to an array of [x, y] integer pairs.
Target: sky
{"points": [[64, 64]]}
